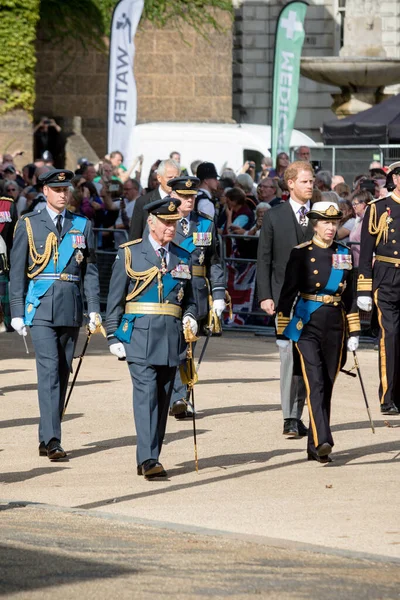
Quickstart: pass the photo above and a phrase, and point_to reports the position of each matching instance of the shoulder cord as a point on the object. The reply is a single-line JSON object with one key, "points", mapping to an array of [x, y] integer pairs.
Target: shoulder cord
{"points": [[380, 229], [143, 278], [51, 247]]}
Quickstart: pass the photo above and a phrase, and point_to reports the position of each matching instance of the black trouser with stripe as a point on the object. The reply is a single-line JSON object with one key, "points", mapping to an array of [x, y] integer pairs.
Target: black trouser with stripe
{"points": [[387, 300], [320, 347]]}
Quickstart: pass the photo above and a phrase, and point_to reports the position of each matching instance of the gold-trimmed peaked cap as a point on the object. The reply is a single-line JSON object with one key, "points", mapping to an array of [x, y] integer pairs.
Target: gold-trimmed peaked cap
{"points": [[394, 168], [326, 211], [165, 208], [184, 185], [56, 178]]}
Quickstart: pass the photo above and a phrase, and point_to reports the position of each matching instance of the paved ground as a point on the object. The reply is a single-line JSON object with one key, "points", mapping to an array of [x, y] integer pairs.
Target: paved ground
{"points": [[252, 483]]}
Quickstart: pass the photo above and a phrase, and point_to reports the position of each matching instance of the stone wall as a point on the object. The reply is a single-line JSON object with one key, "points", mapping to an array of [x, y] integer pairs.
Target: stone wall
{"points": [[176, 81], [254, 38], [16, 134]]}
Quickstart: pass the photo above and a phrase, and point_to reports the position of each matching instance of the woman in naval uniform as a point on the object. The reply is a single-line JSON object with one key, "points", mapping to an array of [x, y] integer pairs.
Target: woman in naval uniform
{"points": [[319, 279]]}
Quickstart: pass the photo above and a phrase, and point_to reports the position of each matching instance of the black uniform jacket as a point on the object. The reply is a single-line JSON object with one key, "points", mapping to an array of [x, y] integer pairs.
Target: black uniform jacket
{"points": [[380, 235], [307, 272]]}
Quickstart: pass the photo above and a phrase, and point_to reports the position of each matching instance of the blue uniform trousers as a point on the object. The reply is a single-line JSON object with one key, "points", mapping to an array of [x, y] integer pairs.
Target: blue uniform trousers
{"points": [[54, 349], [152, 389]]}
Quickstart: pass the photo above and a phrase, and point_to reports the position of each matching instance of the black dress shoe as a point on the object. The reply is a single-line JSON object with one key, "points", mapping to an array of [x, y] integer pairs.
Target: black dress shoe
{"points": [[291, 429], [389, 409], [42, 449], [178, 407], [303, 430], [321, 459], [324, 449], [152, 469], [55, 450]]}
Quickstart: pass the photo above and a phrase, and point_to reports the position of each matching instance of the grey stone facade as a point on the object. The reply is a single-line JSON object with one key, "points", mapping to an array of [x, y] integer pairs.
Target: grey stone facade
{"points": [[255, 25]]}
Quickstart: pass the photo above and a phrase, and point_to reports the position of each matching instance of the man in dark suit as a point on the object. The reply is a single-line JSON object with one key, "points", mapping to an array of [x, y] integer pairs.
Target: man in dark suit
{"points": [[284, 227], [54, 250], [167, 169]]}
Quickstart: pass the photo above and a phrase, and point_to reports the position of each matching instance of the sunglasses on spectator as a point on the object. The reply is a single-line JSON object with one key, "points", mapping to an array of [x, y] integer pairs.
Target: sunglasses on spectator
{"points": [[12, 189]]}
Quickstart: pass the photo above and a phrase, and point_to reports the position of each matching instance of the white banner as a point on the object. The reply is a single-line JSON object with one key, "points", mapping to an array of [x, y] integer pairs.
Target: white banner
{"points": [[122, 101]]}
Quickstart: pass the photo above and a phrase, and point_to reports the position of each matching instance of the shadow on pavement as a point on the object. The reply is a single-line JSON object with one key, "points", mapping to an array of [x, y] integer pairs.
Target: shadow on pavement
{"points": [[205, 464], [340, 459], [33, 386], [24, 569], [35, 420], [228, 410], [212, 381], [19, 476], [127, 441]]}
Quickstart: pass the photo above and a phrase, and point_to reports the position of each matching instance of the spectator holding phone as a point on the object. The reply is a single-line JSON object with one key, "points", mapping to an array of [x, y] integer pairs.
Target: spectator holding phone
{"points": [[48, 135]]}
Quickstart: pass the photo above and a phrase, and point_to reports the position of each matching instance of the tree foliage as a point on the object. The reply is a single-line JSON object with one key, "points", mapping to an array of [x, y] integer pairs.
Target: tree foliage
{"points": [[85, 21], [18, 20]]}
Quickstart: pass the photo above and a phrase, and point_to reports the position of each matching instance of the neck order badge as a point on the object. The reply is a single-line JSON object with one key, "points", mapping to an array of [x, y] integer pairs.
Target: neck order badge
{"points": [[289, 38]]}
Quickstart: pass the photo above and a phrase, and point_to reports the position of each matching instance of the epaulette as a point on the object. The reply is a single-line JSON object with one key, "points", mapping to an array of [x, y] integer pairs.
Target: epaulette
{"points": [[304, 244], [7, 198], [126, 244], [201, 214], [376, 200], [33, 213]]}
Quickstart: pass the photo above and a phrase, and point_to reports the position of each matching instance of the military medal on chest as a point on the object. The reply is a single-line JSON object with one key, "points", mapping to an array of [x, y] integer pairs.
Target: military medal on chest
{"points": [[78, 241], [201, 238], [79, 257], [201, 257], [5, 216], [388, 218], [342, 261]]}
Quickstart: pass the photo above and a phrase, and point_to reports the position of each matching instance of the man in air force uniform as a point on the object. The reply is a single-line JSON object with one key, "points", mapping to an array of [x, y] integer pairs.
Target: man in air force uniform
{"points": [[150, 289], [54, 250], [196, 234]]}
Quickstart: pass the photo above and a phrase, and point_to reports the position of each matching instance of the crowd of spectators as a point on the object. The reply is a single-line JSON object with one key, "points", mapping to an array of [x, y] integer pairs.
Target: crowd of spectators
{"points": [[106, 193]]}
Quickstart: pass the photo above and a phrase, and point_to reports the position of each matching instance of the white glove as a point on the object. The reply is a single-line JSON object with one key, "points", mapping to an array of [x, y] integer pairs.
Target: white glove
{"points": [[94, 321], [352, 343], [364, 303], [219, 307], [283, 344], [192, 324], [18, 324], [118, 350]]}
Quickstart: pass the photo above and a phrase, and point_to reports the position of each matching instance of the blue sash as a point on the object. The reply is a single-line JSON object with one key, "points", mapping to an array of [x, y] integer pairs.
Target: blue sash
{"points": [[202, 227], [124, 331], [304, 308], [38, 288]]}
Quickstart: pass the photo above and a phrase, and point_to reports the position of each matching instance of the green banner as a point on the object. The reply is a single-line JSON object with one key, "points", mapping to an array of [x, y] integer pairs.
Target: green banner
{"points": [[289, 40]]}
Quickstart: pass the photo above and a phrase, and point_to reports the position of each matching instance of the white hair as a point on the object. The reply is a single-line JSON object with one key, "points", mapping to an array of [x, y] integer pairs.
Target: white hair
{"points": [[263, 205], [169, 162]]}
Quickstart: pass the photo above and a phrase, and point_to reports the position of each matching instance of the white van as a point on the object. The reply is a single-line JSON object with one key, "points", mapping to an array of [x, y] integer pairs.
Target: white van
{"points": [[224, 144]]}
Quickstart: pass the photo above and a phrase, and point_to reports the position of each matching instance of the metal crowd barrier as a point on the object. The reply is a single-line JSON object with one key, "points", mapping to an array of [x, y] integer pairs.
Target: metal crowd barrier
{"points": [[350, 161], [255, 320]]}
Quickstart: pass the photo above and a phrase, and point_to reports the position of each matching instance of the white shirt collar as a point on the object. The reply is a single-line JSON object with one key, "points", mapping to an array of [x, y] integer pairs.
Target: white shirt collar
{"points": [[53, 214], [296, 206], [156, 245], [162, 193]]}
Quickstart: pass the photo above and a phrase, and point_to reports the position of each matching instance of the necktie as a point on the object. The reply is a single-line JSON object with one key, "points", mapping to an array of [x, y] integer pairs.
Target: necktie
{"points": [[162, 252], [303, 220], [185, 226], [58, 224]]}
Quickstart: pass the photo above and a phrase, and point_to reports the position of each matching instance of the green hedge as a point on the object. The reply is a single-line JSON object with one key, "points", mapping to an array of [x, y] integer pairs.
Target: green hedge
{"points": [[85, 20], [18, 20]]}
